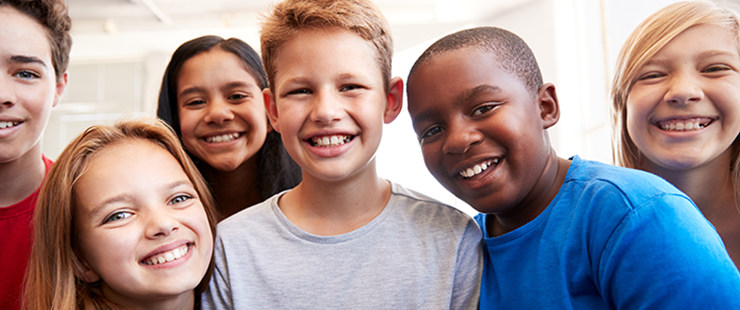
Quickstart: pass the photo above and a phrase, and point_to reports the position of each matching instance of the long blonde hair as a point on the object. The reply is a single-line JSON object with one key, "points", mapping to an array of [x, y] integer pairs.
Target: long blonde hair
{"points": [[53, 263]]}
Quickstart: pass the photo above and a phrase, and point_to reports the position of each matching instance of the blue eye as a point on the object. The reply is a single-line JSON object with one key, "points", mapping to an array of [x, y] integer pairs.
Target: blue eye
{"points": [[26, 75], [117, 216], [179, 199]]}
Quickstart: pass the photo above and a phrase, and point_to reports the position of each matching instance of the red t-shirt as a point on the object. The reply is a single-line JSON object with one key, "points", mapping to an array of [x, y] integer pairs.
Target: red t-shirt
{"points": [[15, 245]]}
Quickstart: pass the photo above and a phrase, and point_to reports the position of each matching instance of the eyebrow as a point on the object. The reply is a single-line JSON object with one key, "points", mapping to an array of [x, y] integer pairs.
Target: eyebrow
{"points": [[464, 97], [27, 60], [704, 54]]}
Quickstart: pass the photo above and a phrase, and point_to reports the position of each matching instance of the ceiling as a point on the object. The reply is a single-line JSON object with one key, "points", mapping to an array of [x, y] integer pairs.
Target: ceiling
{"points": [[131, 28]]}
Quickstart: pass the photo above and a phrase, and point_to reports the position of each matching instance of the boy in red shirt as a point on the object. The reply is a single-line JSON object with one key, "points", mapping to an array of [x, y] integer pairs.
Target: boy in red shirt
{"points": [[34, 52]]}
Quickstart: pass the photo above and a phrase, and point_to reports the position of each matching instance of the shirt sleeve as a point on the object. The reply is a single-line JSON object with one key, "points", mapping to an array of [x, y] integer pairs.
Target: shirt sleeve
{"points": [[218, 294], [469, 266], [665, 255]]}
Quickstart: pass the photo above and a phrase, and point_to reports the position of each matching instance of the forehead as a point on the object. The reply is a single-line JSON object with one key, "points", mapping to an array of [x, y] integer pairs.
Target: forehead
{"points": [[341, 48], [213, 66], [449, 76], [22, 35]]}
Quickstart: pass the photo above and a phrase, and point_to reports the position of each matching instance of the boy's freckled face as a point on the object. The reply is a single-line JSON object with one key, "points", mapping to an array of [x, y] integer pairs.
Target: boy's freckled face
{"points": [[329, 102], [141, 227], [28, 83], [480, 130]]}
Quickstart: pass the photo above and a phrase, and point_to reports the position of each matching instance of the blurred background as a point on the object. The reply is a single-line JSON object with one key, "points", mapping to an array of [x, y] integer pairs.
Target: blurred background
{"points": [[121, 47]]}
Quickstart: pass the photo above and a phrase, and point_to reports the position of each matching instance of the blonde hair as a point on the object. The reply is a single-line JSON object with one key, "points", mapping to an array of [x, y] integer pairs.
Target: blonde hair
{"points": [[53, 263], [359, 16], [644, 42]]}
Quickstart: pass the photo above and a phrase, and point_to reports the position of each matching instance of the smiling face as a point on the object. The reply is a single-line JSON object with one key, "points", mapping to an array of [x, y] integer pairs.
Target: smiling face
{"points": [[480, 130], [683, 112], [221, 110], [141, 227], [28, 84], [329, 102]]}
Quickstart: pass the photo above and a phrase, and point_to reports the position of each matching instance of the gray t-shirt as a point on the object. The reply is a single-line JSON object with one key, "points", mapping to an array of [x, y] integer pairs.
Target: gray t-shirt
{"points": [[416, 254]]}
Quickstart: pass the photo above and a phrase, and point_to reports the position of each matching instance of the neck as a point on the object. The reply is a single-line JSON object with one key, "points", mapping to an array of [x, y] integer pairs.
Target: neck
{"points": [[20, 177], [185, 300], [328, 208], [539, 197], [709, 185], [234, 190]]}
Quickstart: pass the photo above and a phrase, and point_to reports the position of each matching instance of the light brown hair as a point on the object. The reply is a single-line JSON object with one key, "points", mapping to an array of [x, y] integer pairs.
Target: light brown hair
{"points": [[54, 260], [359, 16]]}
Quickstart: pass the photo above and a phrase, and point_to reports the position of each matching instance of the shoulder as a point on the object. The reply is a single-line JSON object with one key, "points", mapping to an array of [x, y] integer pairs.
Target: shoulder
{"points": [[598, 180], [421, 209], [250, 217]]}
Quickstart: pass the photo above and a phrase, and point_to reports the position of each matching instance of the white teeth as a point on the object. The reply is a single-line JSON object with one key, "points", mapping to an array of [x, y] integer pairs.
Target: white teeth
{"points": [[222, 138], [683, 125], [329, 141], [4, 125], [167, 256], [471, 172]]}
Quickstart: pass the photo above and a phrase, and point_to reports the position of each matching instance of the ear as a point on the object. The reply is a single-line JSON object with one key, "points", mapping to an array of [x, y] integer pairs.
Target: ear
{"points": [[60, 87], [549, 107], [84, 273], [271, 108], [394, 100]]}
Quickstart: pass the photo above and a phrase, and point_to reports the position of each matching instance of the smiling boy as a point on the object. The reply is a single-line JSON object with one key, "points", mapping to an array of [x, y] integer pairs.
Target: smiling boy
{"points": [[559, 234], [344, 238], [34, 50]]}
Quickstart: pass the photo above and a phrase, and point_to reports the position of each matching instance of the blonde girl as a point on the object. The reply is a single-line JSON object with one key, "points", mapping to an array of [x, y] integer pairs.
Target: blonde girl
{"points": [[676, 107], [124, 220]]}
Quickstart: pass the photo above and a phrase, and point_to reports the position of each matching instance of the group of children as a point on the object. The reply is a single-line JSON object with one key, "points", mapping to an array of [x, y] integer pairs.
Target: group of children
{"points": [[126, 216]]}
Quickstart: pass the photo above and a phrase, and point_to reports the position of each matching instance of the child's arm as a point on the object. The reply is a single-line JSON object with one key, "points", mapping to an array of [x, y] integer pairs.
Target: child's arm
{"points": [[665, 255], [218, 294], [469, 266]]}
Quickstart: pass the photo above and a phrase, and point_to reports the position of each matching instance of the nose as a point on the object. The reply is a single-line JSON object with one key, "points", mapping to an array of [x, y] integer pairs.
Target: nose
{"points": [[326, 108], [160, 225], [684, 88], [219, 112], [7, 98], [460, 138]]}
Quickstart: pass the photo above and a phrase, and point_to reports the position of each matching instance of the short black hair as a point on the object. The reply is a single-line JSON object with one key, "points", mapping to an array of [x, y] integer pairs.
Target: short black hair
{"points": [[510, 51]]}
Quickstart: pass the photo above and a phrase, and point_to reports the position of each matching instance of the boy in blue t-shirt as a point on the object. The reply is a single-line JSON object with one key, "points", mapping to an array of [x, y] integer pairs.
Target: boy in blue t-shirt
{"points": [[344, 238], [559, 234]]}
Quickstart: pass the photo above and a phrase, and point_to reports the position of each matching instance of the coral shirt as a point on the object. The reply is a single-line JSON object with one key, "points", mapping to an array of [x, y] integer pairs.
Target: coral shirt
{"points": [[15, 245]]}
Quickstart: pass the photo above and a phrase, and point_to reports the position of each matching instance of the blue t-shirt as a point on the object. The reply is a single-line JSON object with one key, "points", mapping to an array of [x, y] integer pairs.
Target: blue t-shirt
{"points": [[612, 238]]}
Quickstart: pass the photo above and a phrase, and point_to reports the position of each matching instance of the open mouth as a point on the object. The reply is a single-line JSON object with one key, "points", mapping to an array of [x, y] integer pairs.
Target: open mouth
{"points": [[223, 138], [685, 124], [9, 124], [479, 168], [330, 141], [167, 256]]}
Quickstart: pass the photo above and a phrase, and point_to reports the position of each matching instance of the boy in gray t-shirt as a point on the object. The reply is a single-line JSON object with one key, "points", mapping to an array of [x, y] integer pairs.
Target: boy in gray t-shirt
{"points": [[343, 238]]}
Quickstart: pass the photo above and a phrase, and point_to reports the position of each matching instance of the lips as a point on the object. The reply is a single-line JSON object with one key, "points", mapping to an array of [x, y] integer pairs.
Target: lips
{"points": [[8, 124], [479, 168], [162, 257], [228, 137], [685, 124]]}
